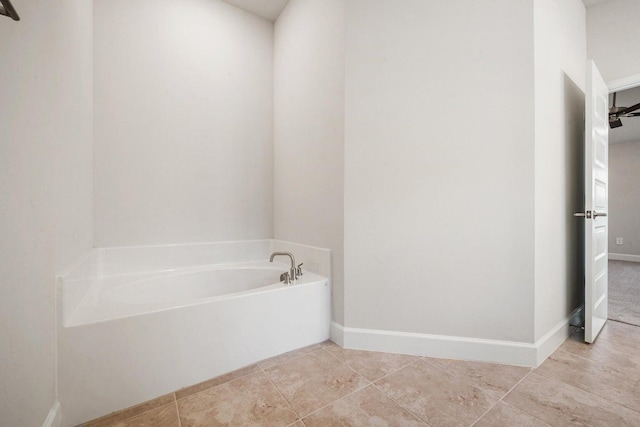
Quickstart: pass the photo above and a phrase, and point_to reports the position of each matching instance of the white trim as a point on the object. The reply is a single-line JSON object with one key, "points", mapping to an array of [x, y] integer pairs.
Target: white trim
{"points": [[624, 83], [337, 333], [553, 339], [54, 418], [624, 257], [450, 347], [174, 245], [287, 242]]}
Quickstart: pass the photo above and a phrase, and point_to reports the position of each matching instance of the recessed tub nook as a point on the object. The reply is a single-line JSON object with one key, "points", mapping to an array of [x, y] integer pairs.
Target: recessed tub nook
{"points": [[136, 323]]}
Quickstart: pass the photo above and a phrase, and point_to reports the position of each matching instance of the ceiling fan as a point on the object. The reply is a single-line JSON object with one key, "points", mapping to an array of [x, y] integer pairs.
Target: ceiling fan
{"points": [[615, 113], [7, 9]]}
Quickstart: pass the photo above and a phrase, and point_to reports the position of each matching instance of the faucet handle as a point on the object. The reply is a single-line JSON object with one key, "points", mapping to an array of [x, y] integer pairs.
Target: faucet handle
{"points": [[285, 278], [299, 270]]}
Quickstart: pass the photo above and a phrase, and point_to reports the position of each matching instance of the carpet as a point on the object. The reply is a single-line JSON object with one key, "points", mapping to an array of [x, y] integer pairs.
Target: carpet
{"points": [[624, 292]]}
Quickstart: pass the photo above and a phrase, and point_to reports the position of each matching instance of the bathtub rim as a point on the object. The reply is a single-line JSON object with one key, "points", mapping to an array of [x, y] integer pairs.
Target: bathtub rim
{"points": [[95, 289]]}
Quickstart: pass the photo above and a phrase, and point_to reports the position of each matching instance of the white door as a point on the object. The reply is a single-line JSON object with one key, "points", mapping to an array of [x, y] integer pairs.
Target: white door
{"points": [[596, 202]]}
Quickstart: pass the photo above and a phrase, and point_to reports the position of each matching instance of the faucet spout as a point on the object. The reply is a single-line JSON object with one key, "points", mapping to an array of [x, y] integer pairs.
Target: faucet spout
{"points": [[293, 273], [289, 254]]}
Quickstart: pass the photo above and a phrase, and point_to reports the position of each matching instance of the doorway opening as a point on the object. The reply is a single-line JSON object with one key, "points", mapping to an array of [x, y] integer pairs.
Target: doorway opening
{"points": [[624, 204]]}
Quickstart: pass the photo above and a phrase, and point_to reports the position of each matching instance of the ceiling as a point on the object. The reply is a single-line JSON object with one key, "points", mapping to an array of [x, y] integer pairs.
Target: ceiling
{"points": [[630, 130], [268, 9]]}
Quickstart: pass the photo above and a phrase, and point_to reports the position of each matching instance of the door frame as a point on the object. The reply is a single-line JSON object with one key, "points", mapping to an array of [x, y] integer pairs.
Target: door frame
{"points": [[624, 83], [617, 85]]}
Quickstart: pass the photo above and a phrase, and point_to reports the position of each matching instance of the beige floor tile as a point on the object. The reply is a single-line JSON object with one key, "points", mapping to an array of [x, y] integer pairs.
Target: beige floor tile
{"points": [[620, 333], [503, 415], [560, 404], [372, 365], [489, 377], [164, 416], [366, 407], [188, 391], [314, 380], [297, 424], [597, 378], [620, 356], [116, 417], [249, 400], [437, 362], [285, 357], [438, 398]]}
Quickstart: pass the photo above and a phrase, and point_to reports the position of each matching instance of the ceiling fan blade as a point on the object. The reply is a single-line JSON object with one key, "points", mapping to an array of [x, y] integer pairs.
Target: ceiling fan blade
{"points": [[632, 115], [628, 110]]}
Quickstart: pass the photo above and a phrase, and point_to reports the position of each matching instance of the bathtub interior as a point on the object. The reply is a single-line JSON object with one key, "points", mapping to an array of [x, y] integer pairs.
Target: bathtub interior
{"points": [[112, 283], [193, 285]]}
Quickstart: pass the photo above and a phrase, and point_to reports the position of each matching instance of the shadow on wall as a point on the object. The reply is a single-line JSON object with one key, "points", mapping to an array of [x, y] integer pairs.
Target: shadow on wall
{"points": [[574, 156]]}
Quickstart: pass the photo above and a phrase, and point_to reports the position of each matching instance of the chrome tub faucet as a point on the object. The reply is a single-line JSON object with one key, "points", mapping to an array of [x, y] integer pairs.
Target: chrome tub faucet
{"points": [[293, 273]]}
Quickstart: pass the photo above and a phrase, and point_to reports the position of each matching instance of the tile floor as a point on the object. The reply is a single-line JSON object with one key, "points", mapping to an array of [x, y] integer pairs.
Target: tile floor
{"points": [[325, 385]]}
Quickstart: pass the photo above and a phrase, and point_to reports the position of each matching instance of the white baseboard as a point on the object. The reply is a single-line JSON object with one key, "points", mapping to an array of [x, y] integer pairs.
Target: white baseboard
{"points": [[553, 339], [337, 333], [624, 257], [54, 418], [450, 347]]}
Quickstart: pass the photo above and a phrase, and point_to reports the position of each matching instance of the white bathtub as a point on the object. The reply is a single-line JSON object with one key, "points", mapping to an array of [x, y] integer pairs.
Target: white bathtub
{"points": [[136, 323], [198, 285]]}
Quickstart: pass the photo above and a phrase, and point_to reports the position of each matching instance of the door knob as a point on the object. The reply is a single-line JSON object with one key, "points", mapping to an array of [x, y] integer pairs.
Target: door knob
{"points": [[588, 214]]}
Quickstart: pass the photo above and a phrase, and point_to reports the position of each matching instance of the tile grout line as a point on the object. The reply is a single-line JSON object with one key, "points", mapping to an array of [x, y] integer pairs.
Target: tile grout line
{"points": [[478, 388], [335, 401], [288, 360], [505, 395], [587, 391], [373, 383], [419, 358], [343, 397], [397, 370], [608, 340], [343, 363], [533, 371], [215, 385], [175, 401], [400, 405], [280, 393], [616, 368], [114, 414], [490, 394], [377, 379], [369, 383], [526, 413]]}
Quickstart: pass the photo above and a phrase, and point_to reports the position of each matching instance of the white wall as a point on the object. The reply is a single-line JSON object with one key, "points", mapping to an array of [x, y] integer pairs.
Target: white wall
{"points": [[439, 168], [309, 130], [613, 38], [45, 188], [184, 122], [560, 58], [624, 197]]}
